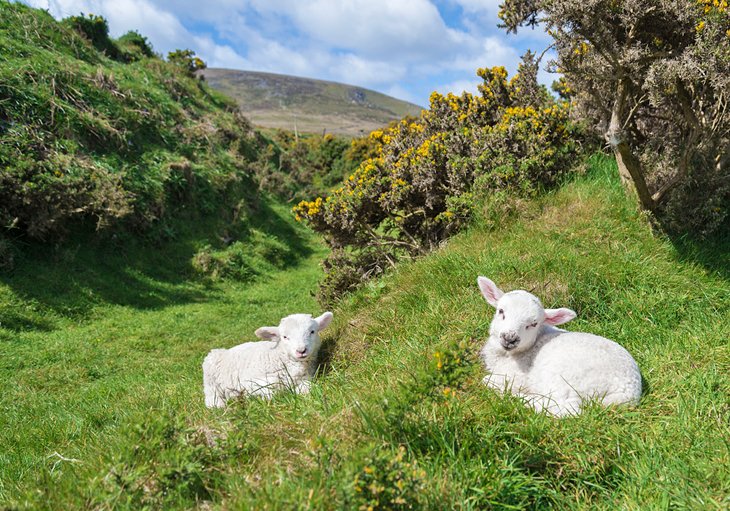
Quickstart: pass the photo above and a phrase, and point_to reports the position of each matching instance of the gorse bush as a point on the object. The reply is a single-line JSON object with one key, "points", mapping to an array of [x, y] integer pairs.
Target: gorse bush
{"points": [[388, 481], [653, 78], [135, 45], [420, 187], [96, 30], [186, 60]]}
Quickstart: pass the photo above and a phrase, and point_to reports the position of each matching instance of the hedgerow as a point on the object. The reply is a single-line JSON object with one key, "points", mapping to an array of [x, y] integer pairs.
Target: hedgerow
{"points": [[429, 173]]}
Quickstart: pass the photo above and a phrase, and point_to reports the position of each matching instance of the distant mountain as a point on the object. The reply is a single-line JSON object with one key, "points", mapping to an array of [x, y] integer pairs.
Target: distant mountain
{"points": [[281, 101]]}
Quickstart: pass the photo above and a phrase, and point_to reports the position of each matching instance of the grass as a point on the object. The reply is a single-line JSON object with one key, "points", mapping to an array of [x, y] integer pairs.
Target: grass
{"points": [[95, 338], [104, 409]]}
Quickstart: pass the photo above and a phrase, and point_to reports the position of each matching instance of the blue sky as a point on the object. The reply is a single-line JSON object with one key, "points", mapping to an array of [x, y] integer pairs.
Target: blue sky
{"points": [[405, 48]]}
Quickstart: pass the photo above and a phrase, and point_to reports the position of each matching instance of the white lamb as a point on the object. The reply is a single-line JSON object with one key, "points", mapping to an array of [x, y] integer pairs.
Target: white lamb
{"points": [[287, 358], [552, 369]]}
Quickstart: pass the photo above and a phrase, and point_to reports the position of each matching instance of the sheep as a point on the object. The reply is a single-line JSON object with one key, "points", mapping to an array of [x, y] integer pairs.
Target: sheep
{"points": [[553, 370], [286, 358]]}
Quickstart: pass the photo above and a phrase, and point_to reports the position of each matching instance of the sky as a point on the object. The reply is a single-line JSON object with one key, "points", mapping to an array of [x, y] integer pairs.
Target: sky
{"points": [[404, 48]]}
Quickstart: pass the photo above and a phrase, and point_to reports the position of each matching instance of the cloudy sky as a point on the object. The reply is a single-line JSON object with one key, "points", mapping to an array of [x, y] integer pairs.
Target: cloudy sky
{"points": [[405, 48]]}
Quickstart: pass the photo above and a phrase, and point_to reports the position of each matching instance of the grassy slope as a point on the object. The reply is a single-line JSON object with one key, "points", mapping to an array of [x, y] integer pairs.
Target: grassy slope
{"points": [[120, 390], [280, 101], [97, 338]]}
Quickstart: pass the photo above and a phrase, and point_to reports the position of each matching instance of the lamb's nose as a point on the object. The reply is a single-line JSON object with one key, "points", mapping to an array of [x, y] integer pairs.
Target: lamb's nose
{"points": [[302, 351], [509, 337]]}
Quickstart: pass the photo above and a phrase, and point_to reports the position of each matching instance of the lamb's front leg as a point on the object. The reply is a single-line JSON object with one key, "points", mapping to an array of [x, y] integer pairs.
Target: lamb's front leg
{"points": [[303, 387], [498, 382]]}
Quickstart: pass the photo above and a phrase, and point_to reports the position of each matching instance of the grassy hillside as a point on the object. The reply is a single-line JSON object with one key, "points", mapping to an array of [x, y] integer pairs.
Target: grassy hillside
{"points": [[103, 142], [102, 404], [289, 102]]}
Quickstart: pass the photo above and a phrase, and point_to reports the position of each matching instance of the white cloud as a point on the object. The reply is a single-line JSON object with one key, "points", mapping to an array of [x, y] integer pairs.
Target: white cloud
{"points": [[403, 48], [400, 92], [160, 26], [460, 86]]}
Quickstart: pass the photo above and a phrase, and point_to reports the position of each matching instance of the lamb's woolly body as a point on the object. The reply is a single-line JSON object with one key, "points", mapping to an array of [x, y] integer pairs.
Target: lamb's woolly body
{"points": [[253, 368], [552, 369], [564, 368], [264, 367]]}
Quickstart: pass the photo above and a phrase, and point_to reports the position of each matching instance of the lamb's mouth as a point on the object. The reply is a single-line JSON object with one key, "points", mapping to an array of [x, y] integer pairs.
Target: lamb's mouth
{"points": [[303, 355], [509, 345]]}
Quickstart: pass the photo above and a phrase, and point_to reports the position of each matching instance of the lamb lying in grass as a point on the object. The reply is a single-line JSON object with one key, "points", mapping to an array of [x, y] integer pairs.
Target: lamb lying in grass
{"points": [[287, 358], [552, 369]]}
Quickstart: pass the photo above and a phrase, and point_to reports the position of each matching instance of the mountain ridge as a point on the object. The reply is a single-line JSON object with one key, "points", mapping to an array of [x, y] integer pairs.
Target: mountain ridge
{"points": [[311, 105]]}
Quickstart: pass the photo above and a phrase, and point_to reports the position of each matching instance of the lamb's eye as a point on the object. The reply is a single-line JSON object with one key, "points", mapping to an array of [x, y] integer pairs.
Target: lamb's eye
{"points": [[286, 337], [501, 313], [533, 325], [311, 331]]}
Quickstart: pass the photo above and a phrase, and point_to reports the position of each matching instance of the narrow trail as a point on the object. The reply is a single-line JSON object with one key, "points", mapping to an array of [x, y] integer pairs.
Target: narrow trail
{"points": [[70, 390]]}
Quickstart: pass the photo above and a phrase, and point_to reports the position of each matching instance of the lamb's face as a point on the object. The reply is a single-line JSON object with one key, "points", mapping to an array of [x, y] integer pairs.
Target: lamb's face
{"points": [[299, 335], [519, 317], [517, 321]]}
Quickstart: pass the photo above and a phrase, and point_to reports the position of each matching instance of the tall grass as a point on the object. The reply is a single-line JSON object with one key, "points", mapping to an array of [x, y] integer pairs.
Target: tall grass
{"points": [[106, 411]]}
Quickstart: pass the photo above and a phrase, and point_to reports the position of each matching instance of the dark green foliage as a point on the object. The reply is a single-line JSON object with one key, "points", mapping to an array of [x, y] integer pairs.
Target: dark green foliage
{"points": [[295, 167], [186, 60], [96, 30], [135, 45], [85, 139]]}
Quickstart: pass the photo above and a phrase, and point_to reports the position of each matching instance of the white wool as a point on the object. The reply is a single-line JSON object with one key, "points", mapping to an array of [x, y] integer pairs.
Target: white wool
{"points": [[552, 369], [287, 358]]}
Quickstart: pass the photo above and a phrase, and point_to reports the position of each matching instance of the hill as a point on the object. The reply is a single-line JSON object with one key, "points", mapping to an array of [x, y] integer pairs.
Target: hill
{"points": [[105, 409], [307, 105]]}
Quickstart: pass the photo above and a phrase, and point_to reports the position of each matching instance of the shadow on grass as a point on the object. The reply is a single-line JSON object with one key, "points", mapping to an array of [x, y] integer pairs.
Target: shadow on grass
{"points": [[72, 279], [711, 253], [326, 356]]}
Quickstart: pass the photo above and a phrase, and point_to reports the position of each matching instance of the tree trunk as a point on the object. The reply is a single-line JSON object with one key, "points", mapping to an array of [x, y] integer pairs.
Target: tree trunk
{"points": [[629, 166]]}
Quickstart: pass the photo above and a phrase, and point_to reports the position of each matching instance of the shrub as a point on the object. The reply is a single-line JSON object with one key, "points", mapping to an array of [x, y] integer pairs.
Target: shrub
{"points": [[96, 30], [420, 187], [652, 77], [186, 60], [135, 46], [388, 481], [7, 255], [296, 167], [117, 145]]}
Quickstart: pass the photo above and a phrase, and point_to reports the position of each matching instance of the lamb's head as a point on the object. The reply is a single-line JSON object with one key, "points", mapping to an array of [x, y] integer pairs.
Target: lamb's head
{"points": [[297, 334], [519, 317]]}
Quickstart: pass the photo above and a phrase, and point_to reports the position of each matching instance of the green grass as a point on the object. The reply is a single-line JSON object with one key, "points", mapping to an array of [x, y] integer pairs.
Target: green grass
{"points": [[117, 385]]}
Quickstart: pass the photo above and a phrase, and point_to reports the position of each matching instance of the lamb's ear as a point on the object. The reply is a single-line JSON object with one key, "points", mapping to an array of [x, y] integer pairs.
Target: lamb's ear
{"points": [[559, 316], [324, 320], [489, 290], [267, 332]]}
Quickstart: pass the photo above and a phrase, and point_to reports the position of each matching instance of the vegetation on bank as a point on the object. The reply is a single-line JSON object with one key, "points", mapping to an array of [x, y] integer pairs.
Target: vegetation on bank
{"points": [[429, 174], [103, 136], [104, 409]]}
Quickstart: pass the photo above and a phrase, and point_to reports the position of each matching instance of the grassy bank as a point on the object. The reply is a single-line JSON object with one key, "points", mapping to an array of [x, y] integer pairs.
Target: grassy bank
{"points": [[96, 338], [389, 423]]}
